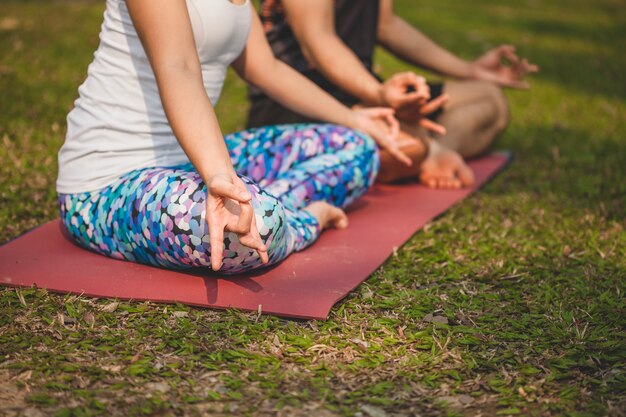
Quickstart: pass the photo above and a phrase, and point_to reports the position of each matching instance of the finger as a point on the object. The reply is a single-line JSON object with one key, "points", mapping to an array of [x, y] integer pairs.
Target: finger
{"points": [[412, 97], [253, 242], [414, 83], [434, 104], [511, 81], [257, 244], [532, 68], [394, 126], [528, 67], [216, 239], [409, 78], [223, 188], [395, 151], [508, 51], [244, 220], [378, 111], [387, 140], [424, 88], [389, 143], [423, 84], [265, 258], [406, 81], [432, 126], [388, 115], [385, 113], [261, 250]]}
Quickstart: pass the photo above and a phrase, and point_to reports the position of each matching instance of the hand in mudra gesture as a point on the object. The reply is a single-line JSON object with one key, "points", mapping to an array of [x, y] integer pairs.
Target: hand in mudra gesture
{"points": [[228, 208], [502, 66], [419, 112], [381, 124], [404, 88]]}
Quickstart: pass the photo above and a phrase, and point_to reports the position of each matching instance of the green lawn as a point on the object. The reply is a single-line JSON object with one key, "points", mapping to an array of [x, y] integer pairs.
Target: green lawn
{"points": [[530, 273]]}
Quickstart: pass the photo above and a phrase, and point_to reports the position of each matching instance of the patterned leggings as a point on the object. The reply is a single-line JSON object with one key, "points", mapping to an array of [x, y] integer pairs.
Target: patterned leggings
{"points": [[156, 216]]}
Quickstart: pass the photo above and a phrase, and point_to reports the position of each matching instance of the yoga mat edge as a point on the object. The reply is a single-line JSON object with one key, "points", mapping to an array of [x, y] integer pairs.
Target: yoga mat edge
{"points": [[305, 286]]}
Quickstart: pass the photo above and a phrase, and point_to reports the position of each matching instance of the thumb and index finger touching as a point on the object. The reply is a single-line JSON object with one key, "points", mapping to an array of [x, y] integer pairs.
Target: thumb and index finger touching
{"points": [[218, 220], [386, 138]]}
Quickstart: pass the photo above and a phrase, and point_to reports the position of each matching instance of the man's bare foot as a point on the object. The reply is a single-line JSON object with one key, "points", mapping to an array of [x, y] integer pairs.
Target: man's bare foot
{"points": [[445, 169], [393, 170], [327, 215]]}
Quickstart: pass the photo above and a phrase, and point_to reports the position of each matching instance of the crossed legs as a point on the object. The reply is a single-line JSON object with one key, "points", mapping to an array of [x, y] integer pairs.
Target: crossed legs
{"points": [[298, 177], [475, 115]]}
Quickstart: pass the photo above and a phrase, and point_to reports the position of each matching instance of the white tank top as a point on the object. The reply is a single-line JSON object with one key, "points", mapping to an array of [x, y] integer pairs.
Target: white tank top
{"points": [[118, 123]]}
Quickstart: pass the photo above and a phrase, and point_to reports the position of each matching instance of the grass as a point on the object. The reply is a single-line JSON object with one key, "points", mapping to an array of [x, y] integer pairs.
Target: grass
{"points": [[526, 278]]}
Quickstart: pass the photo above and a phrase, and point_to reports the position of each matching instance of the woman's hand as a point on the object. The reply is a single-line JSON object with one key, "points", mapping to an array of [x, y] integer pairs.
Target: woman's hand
{"points": [[228, 208], [166, 34], [383, 127]]}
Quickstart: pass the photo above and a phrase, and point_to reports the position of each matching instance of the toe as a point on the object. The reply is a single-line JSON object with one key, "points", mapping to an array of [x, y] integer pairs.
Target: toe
{"points": [[340, 219], [428, 181], [454, 184], [341, 223], [466, 175]]}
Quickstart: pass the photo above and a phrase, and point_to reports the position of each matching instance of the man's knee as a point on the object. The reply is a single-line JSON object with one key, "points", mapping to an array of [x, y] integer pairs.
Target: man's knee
{"points": [[500, 104]]}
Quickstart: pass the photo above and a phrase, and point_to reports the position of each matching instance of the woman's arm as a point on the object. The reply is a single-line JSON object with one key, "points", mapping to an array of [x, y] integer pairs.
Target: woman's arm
{"points": [[165, 31], [258, 66]]}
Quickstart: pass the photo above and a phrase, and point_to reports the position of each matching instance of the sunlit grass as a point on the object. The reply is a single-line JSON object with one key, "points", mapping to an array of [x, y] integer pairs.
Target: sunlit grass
{"points": [[529, 274]]}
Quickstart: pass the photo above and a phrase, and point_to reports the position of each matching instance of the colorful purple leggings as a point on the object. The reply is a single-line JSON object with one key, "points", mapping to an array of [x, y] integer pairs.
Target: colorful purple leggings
{"points": [[156, 216]]}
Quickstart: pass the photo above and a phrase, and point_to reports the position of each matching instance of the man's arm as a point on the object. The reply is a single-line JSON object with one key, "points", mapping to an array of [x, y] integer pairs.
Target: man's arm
{"points": [[313, 24], [405, 41], [408, 43]]}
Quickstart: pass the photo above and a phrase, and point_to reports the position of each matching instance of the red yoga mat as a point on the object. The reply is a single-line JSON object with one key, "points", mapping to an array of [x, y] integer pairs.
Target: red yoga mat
{"points": [[306, 285]]}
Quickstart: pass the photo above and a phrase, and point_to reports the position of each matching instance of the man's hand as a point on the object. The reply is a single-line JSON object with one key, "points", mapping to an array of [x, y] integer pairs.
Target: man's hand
{"points": [[402, 89], [502, 66], [228, 209]]}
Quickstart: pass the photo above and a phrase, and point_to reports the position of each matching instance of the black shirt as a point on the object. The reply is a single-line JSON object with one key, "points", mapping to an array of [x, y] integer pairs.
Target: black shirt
{"points": [[356, 23]]}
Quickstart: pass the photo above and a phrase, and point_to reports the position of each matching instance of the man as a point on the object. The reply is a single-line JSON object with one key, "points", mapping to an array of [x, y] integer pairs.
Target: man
{"points": [[332, 43]]}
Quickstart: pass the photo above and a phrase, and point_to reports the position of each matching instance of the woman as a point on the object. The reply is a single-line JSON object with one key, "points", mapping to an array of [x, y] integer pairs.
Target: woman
{"points": [[145, 173]]}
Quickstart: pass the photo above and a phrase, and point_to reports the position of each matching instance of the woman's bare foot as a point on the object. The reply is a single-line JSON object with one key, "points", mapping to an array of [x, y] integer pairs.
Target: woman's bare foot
{"points": [[393, 170], [445, 169], [327, 215]]}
